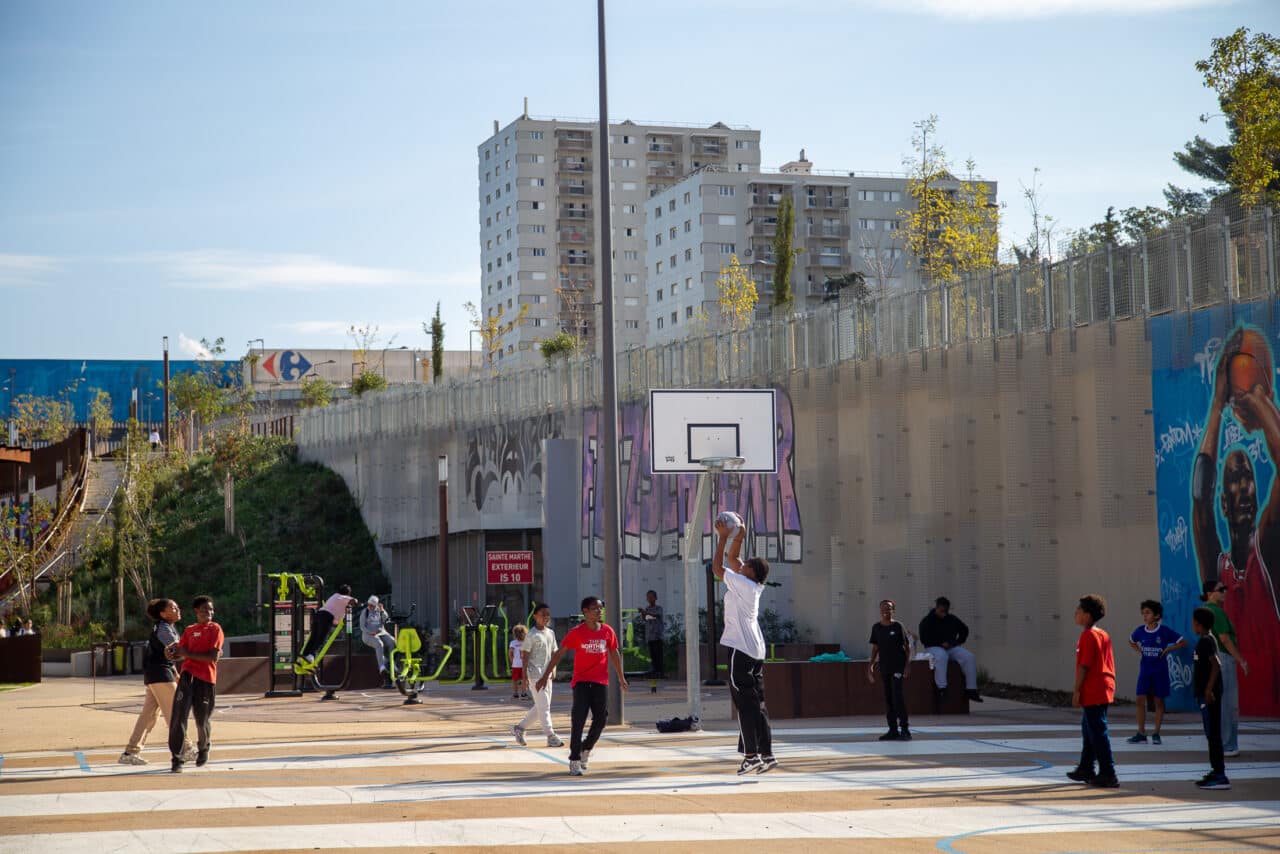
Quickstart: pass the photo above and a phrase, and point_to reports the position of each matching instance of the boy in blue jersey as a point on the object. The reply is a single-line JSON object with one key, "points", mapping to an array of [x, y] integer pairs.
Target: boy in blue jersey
{"points": [[1153, 641]]}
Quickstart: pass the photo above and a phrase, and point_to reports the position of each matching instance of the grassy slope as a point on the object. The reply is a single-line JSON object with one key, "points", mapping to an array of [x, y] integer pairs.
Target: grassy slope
{"points": [[289, 517]]}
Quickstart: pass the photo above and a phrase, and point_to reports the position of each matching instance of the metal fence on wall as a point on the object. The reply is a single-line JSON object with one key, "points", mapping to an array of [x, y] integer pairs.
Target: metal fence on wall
{"points": [[1218, 258]]}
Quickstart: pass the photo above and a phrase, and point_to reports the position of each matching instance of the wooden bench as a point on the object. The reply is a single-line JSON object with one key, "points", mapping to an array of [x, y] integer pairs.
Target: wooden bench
{"points": [[827, 689]]}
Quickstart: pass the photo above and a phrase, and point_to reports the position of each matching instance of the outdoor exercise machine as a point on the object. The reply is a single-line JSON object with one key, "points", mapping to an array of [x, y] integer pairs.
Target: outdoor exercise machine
{"points": [[407, 663], [295, 599]]}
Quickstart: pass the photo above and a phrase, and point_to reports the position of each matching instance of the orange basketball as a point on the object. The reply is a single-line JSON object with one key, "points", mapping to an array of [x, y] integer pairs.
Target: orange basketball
{"points": [[1250, 363]]}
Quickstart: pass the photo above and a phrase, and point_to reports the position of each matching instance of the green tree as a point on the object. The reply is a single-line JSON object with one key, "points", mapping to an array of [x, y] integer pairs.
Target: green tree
{"points": [[784, 254], [1183, 203], [953, 227], [736, 294], [42, 418], [851, 284], [367, 380], [1244, 71], [316, 392], [437, 346], [560, 344]]}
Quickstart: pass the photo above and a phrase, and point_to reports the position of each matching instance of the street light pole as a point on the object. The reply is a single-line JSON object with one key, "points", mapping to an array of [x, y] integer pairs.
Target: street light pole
{"points": [[166, 395], [442, 474], [608, 368]]}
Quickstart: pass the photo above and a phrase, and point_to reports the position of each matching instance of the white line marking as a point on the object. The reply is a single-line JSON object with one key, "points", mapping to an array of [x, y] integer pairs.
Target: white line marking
{"points": [[621, 829], [782, 781]]}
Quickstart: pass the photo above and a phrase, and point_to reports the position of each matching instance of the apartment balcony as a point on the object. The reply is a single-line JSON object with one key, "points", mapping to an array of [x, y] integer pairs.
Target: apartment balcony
{"points": [[573, 140], [580, 260], [575, 213], [663, 172], [575, 187], [765, 202], [825, 202], [828, 261], [664, 147], [575, 235], [764, 229], [828, 231], [714, 147], [570, 164]]}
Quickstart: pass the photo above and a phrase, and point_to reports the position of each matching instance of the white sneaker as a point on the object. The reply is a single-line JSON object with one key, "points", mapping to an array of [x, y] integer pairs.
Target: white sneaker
{"points": [[188, 753], [131, 759], [518, 732], [554, 741], [1231, 754], [586, 759], [575, 768]]}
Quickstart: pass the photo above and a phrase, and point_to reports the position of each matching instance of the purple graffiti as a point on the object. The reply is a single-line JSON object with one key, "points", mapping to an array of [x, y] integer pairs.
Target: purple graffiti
{"points": [[656, 508]]}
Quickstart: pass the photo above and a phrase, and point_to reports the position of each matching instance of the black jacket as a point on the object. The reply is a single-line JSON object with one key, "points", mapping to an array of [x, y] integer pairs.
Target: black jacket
{"points": [[935, 630]]}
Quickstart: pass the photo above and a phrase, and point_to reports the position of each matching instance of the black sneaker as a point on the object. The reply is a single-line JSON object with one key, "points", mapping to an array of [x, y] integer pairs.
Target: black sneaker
{"points": [[891, 735], [973, 696], [750, 765], [1081, 775], [1105, 781], [175, 767], [201, 758], [1215, 781], [767, 763], [905, 735]]}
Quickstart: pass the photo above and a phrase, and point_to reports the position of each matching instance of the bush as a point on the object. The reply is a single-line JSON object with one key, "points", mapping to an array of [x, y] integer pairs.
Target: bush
{"points": [[560, 344]]}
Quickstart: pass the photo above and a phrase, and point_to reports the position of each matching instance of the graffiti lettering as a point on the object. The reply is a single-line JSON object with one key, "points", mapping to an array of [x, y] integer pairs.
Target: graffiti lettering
{"points": [[506, 459], [1177, 436], [1176, 537], [1207, 359], [656, 508], [1179, 673]]}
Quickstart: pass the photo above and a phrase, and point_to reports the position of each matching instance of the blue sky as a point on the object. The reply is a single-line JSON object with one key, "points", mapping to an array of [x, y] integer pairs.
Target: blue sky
{"points": [[285, 170]]}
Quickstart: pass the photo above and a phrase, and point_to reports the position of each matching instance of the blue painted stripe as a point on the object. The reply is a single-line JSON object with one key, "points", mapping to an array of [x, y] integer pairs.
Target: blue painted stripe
{"points": [[84, 763]]}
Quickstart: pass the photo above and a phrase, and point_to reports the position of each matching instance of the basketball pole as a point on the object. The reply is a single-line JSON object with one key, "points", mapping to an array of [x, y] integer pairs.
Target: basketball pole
{"points": [[693, 563]]}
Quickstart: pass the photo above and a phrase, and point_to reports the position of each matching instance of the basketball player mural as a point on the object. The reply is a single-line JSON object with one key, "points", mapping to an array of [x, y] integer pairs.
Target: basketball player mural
{"points": [[1243, 382]]}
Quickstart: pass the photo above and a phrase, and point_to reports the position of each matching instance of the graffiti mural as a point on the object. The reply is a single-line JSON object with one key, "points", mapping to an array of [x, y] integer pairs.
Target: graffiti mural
{"points": [[506, 459], [656, 508], [1217, 437]]}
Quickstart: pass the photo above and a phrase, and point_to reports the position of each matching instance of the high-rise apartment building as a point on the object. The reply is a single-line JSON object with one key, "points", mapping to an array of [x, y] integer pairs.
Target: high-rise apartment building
{"points": [[539, 193], [844, 222]]}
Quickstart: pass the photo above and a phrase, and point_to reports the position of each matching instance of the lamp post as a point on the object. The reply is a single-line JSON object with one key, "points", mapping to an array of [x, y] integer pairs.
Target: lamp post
{"points": [[253, 363], [442, 475], [608, 386], [166, 395], [384, 357]]}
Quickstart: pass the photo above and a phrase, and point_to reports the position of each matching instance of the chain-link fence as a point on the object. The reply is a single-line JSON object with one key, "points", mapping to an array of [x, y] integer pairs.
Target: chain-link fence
{"points": [[1221, 257]]}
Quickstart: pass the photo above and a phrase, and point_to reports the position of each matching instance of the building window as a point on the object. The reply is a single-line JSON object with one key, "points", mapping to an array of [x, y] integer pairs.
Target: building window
{"points": [[629, 278], [671, 205], [535, 134], [630, 255], [499, 239], [539, 253], [628, 232], [486, 154], [727, 219], [537, 229], [657, 268], [688, 226], [661, 294], [727, 249], [726, 190], [740, 144], [688, 312], [488, 244], [688, 283], [673, 290], [631, 302], [673, 262], [867, 224], [893, 196], [624, 162], [538, 321], [488, 198], [538, 277], [633, 324], [866, 195], [657, 212], [628, 185], [674, 316], [488, 222], [891, 225], [688, 254], [687, 196], [672, 234], [657, 239], [659, 322], [537, 206], [628, 209], [537, 182]]}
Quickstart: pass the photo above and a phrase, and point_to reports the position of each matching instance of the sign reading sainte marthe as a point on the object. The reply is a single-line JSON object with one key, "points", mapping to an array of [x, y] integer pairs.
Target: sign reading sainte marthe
{"points": [[509, 567]]}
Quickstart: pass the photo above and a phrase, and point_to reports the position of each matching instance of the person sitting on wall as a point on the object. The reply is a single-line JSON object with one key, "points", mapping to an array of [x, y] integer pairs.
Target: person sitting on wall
{"points": [[943, 635]]}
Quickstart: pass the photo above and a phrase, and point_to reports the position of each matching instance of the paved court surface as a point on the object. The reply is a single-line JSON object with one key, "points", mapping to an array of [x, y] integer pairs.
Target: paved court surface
{"points": [[366, 772]]}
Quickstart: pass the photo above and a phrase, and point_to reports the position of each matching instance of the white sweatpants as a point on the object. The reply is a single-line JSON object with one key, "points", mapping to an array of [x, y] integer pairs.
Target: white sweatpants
{"points": [[541, 711], [968, 663]]}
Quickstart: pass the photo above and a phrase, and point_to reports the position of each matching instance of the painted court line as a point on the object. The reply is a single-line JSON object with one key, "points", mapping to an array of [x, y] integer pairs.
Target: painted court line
{"points": [[782, 781], [621, 829]]}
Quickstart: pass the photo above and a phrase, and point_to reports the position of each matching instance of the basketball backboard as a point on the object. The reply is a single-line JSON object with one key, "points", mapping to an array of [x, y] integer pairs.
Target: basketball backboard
{"points": [[689, 425]]}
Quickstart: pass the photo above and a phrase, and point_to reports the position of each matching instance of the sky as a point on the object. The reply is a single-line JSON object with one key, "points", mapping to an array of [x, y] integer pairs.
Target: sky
{"points": [[286, 170]]}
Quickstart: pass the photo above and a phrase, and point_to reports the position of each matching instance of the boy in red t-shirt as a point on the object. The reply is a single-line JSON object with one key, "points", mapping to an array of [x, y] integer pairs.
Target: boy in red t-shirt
{"points": [[1095, 688], [199, 651], [596, 647]]}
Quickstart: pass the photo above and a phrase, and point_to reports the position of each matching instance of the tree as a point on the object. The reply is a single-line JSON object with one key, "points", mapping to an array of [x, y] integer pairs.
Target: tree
{"points": [[1039, 244], [367, 380], [736, 295], [1137, 223], [954, 226], [437, 346], [560, 344], [316, 392], [1244, 71], [42, 419], [784, 255], [855, 283], [492, 329]]}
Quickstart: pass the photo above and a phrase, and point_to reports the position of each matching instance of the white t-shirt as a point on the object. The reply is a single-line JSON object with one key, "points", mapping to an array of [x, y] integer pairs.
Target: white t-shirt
{"points": [[538, 647], [517, 660], [337, 605], [741, 614]]}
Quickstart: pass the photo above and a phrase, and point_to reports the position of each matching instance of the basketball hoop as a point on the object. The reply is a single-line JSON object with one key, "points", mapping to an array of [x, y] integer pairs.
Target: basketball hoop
{"points": [[723, 462]]}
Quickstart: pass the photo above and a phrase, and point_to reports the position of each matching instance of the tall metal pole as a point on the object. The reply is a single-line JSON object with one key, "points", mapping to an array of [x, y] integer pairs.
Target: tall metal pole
{"points": [[442, 473], [608, 385], [166, 395]]}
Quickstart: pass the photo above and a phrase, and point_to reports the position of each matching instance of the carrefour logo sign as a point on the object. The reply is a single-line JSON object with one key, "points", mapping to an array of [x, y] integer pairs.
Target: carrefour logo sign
{"points": [[286, 365]]}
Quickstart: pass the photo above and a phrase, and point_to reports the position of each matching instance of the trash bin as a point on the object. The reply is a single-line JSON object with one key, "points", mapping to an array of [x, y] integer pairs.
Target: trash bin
{"points": [[137, 656], [118, 651]]}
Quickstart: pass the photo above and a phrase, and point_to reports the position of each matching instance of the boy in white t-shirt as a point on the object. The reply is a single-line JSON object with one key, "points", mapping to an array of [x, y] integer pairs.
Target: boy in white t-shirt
{"points": [[515, 655], [743, 584], [538, 647]]}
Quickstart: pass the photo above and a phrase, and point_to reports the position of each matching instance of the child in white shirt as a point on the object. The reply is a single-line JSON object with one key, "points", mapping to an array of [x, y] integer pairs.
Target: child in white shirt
{"points": [[516, 656]]}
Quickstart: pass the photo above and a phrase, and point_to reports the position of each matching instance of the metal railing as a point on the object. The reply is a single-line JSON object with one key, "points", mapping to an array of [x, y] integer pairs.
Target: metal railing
{"points": [[1216, 259]]}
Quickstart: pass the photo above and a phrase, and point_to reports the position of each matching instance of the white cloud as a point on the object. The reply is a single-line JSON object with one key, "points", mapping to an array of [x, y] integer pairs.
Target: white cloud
{"points": [[21, 270], [340, 327], [220, 269], [1022, 9], [191, 348]]}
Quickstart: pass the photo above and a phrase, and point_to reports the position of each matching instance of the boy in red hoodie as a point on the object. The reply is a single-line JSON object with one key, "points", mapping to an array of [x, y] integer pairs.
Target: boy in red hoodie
{"points": [[1095, 689], [199, 651]]}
